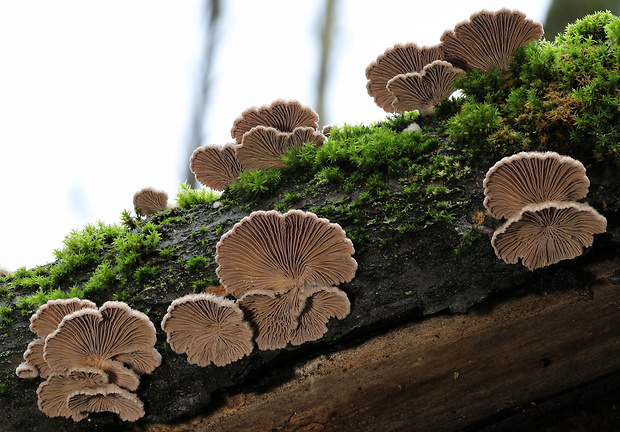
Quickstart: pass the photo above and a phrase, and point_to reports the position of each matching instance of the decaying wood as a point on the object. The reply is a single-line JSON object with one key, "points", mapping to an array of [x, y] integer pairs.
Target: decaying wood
{"points": [[443, 373]]}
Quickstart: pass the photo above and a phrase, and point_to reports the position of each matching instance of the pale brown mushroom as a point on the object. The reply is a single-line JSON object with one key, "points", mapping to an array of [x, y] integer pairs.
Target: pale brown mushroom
{"points": [[423, 90], [532, 177], [488, 39], [273, 262], [46, 319], [105, 398], [53, 392], [208, 328], [149, 200], [26, 370], [216, 166], [91, 337], [33, 357], [262, 146], [281, 114], [268, 250], [400, 59], [546, 233]]}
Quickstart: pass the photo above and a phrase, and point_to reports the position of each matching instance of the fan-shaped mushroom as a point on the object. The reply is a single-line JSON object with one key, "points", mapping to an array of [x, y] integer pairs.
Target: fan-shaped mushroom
{"points": [[149, 200], [215, 166], [532, 177], [281, 114], [488, 39], [208, 328], [262, 146], [103, 398], [546, 233], [423, 90], [273, 263], [400, 59]]}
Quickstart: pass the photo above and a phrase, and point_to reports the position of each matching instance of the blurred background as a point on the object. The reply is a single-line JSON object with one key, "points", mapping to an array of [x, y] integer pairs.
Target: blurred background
{"points": [[99, 99]]}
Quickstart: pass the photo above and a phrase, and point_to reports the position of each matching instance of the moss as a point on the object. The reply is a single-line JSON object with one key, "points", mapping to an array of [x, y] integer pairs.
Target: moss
{"points": [[196, 264], [187, 197]]}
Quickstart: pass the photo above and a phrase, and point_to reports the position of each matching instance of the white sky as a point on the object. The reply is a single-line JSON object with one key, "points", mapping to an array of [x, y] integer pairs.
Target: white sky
{"points": [[96, 96]]}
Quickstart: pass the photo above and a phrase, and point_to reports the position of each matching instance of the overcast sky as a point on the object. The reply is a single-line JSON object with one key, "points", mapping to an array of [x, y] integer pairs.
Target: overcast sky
{"points": [[96, 96]]}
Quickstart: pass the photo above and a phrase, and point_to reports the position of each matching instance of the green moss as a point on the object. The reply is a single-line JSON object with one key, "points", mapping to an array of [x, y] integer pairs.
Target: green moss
{"points": [[187, 197], [196, 264]]}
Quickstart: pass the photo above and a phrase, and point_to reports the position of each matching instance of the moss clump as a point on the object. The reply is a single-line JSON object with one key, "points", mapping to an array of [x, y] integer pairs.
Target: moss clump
{"points": [[187, 197]]}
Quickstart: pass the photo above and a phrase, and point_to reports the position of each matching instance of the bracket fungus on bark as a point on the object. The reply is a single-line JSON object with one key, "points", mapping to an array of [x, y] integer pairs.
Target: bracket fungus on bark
{"points": [[423, 90], [105, 398], [149, 200], [545, 233], [488, 39], [532, 177], [263, 146], [276, 263], [283, 115], [397, 60], [208, 328], [216, 166]]}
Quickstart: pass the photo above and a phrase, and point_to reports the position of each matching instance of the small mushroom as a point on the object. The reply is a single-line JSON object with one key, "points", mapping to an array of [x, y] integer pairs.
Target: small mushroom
{"points": [[104, 398], [25, 370], [488, 39], [400, 59], [546, 233], [215, 166], [149, 200], [423, 90], [262, 147], [53, 392], [281, 114], [208, 328], [91, 337], [33, 357], [273, 262], [532, 177]]}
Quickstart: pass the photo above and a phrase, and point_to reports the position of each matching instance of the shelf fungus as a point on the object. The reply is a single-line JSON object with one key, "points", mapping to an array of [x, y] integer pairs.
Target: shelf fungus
{"points": [[488, 39], [423, 90], [283, 115], [208, 328], [149, 200], [215, 166], [532, 177], [283, 268], [397, 60], [546, 233]]}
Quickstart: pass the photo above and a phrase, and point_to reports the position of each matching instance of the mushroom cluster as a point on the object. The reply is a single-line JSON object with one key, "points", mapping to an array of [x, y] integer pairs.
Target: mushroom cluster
{"points": [[149, 200], [537, 192], [409, 77], [90, 358], [262, 135]]}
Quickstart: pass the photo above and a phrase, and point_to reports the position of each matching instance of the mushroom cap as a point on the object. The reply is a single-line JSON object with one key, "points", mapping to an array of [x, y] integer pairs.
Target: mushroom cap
{"points": [[268, 250], [397, 60], [53, 392], [215, 166], [545, 233], [106, 397], [322, 303], [26, 370], [149, 200], [208, 328], [33, 357], [262, 146], [94, 337], [46, 319], [488, 39], [423, 90], [532, 177], [284, 115]]}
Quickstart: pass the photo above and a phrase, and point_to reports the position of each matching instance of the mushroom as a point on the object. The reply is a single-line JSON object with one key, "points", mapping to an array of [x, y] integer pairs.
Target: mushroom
{"points": [[105, 398], [149, 200], [208, 328], [400, 59], [545, 233], [281, 114], [54, 391], [215, 166], [489, 39], [423, 90], [91, 337], [262, 146], [532, 177], [43, 322], [273, 262]]}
